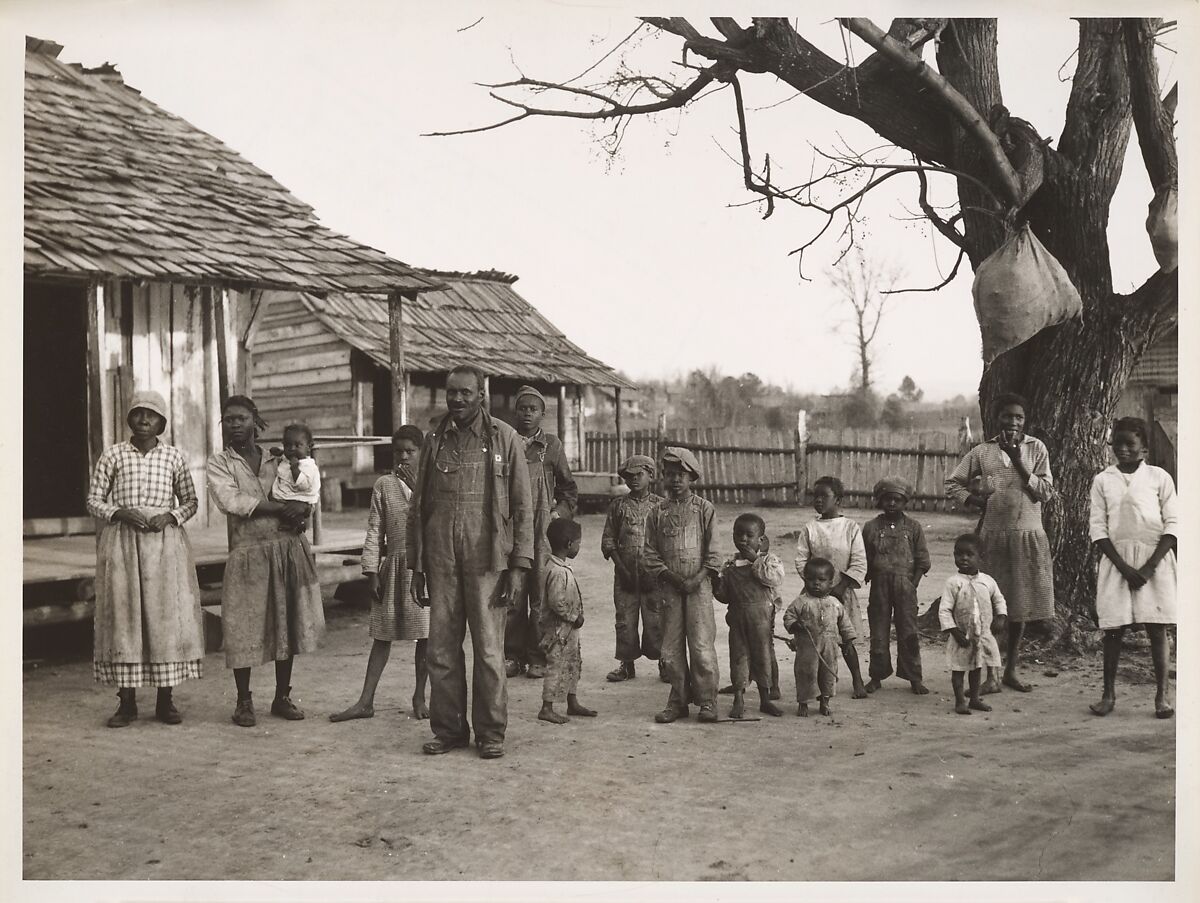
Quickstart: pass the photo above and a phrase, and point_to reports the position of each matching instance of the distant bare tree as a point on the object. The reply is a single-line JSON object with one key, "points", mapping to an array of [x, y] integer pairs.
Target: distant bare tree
{"points": [[863, 286]]}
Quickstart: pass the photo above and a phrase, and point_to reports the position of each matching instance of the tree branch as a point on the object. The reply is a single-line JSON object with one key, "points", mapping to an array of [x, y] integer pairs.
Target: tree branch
{"points": [[958, 105], [1096, 129], [614, 110], [1155, 124], [962, 252], [747, 172]]}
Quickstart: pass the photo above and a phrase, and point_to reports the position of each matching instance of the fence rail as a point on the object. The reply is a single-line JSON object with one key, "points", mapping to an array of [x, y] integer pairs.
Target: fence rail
{"points": [[757, 466]]}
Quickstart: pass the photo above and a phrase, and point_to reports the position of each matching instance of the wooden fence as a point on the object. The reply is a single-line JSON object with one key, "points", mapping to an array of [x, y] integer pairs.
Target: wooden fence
{"points": [[757, 466]]}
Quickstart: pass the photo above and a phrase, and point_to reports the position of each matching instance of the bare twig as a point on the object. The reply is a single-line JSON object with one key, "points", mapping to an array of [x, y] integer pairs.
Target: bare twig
{"points": [[472, 25], [962, 252], [613, 109], [618, 46]]}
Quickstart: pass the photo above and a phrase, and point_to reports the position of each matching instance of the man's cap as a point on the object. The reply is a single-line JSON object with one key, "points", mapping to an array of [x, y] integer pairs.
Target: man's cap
{"points": [[634, 463], [150, 400], [529, 390], [898, 485], [683, 457]]}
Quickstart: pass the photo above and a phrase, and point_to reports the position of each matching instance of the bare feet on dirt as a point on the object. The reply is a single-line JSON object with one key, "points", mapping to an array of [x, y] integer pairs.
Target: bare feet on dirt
{"points": [[769, 708], [860, 692], [872, 685], [358, 710], [575, 707], [1010, 681], [962, 708], [980, 706], [919, 688], [548, 714], [1162, 709], [1104, 706], [989, 686], [802, 710], [824, 707]]}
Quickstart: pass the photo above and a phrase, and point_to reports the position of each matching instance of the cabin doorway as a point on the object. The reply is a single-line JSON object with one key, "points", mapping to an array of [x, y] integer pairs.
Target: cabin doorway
{"points": [[55, 406]]}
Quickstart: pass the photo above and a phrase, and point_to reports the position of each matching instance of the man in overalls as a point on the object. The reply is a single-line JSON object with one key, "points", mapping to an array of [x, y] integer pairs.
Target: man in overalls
{"points": [[554, 495], [470, 543]]}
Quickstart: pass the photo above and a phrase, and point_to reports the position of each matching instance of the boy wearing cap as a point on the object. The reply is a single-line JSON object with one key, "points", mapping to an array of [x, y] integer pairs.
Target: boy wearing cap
{"points": [[897, 559], [679, 556], [623, 543], [554, 495]]}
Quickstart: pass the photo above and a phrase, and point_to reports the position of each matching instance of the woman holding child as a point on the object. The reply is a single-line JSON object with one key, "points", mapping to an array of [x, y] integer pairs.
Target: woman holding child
{"points": [[1009, 478], [271, 602]]}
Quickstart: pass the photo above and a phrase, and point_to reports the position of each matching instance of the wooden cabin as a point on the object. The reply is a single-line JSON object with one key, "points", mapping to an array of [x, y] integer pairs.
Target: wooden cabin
{"points": [[152, 252], [326, 362], [1152, 393]]}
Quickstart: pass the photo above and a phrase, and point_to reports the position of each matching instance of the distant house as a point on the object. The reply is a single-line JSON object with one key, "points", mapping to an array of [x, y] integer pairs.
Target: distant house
{"points": [[1152, 393], [325, 361], [152, 253]]}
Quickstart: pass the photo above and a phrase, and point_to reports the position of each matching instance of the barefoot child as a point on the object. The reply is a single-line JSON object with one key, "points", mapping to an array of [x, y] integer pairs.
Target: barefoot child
{"points": [[679, 556], [897, 559], [394, 614], [819, 624], [970, 602], [838, 539], [297, 477], [749, 584], [623, 543], [561, 618], [148, 627], [1133, 524]]}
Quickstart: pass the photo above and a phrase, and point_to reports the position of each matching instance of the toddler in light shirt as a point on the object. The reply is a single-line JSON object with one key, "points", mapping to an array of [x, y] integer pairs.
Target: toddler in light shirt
{"points": [[297, 477]]}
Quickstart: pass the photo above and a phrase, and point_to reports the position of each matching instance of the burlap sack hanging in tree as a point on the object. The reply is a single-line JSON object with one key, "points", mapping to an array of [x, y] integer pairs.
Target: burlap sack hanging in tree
{"points": [[1019, 291], [1162, 224]]}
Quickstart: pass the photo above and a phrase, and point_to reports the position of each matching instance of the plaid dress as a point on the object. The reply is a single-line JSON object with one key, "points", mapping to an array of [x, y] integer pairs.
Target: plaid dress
{"points": [[394, 616], [148, 624]]}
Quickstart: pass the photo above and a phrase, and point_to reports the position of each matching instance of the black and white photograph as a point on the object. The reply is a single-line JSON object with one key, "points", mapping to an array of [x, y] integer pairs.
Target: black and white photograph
{"points": [[477, 451]]}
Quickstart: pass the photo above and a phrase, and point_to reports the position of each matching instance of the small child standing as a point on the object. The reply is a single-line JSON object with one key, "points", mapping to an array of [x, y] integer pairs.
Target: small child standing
{"points": [[1133, 524], [297, 477], [819, 623], [748, 584], [970, 602], [897, 559], [561, 618], [624, 542], [395, 615], [679, 556], [838, 539]]}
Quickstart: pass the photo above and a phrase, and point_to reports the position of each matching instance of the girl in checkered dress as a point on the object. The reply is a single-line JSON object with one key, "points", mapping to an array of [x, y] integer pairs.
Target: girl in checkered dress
{"points": [[394, 614], [148, 630]]}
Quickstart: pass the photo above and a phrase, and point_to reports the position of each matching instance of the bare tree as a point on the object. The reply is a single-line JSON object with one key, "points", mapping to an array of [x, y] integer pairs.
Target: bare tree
{"points": [[953, 125], [863, 286]]}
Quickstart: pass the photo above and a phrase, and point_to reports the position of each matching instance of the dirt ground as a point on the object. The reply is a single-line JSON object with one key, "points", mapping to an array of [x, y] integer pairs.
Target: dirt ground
{"points": [[895, 787]]}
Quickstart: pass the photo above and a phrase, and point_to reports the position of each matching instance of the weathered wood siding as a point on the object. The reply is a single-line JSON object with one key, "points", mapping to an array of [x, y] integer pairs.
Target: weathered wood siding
{"points": [[161, 336]]}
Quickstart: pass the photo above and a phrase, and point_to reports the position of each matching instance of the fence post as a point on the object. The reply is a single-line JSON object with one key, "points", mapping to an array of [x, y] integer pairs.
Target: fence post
{"points": [[920, 468], [660, 442], [617, 422], [801, 456]]}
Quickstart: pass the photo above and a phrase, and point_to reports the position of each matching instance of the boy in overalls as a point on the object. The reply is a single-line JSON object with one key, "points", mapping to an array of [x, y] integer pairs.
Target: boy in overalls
{"points": [[679, 555], [634, 597], [554, 495]]}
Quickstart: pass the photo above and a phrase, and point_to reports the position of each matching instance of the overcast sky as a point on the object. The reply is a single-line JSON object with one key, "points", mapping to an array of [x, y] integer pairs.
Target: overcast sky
{"points": [[641, 261]]}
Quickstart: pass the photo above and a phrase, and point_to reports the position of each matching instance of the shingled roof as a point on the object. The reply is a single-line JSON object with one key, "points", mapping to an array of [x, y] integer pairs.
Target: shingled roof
{"points": [[477, 318], [117, 186]]}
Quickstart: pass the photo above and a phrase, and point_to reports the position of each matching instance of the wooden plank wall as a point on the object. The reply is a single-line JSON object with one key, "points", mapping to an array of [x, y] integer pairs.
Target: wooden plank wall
{"points": [[300, 372]]}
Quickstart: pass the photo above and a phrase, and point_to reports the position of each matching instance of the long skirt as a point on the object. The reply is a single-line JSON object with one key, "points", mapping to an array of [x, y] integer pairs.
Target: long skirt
{"points": [[148, 625], [271, 604], [1019, 561]]}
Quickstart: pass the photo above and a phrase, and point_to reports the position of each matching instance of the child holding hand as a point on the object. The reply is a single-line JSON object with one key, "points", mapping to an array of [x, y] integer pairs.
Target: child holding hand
{"points": [[748, 584], [560, 619], [970, 602], [819, 625]]}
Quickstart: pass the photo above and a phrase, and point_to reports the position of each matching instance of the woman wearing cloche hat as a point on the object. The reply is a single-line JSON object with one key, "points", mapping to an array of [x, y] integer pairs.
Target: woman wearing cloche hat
{"points": [[148, 628]]}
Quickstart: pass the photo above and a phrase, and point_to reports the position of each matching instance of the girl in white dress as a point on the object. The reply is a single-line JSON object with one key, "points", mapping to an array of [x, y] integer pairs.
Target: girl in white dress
{"points": [[1133, 523]]}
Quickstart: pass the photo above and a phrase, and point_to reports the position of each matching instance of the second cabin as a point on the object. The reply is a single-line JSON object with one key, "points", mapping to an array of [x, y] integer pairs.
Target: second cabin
{"points": [[326, 362]]}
